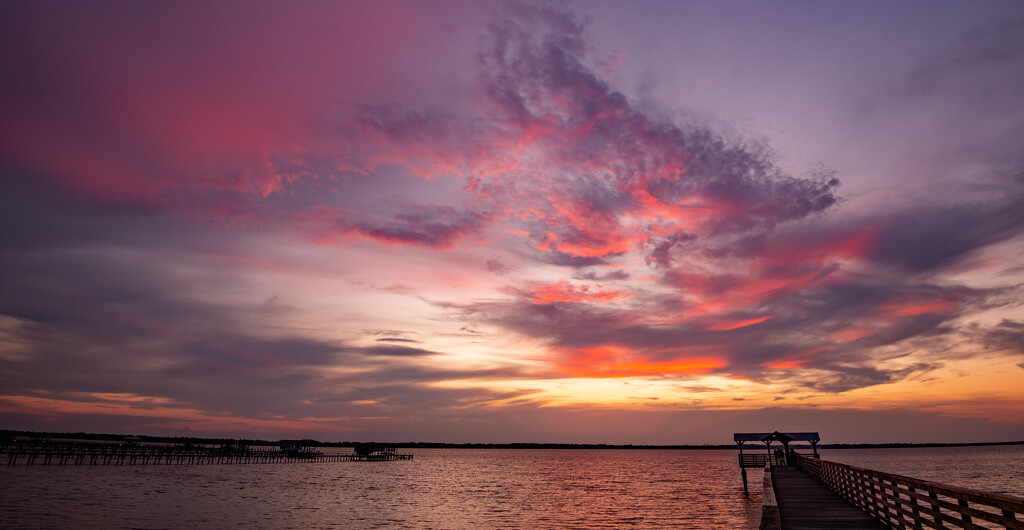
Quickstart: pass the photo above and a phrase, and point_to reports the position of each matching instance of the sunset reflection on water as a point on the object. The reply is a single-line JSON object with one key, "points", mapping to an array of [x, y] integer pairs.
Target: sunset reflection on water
{"points": [[440, 488]]}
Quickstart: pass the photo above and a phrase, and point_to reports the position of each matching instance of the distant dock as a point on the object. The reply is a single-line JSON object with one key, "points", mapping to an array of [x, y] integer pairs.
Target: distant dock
{"points": [[40, 452], [803, 492]]}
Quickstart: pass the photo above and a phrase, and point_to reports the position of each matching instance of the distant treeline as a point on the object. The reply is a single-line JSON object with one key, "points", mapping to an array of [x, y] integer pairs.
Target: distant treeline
{"points": [[904, 445], [526, 445], [442, 445]]}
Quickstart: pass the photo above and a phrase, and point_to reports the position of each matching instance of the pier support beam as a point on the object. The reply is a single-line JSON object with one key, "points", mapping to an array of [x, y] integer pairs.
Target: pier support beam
{"points": [[743, 470]]}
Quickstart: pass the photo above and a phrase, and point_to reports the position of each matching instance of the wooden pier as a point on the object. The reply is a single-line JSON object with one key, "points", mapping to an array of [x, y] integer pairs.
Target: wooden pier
{"points": [[905, 502], [815, 494], [35, 452], [806, 504], [804, 492]]}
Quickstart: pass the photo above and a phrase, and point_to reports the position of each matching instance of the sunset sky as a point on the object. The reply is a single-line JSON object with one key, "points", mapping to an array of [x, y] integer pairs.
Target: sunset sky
{"points": [[650, 222]]}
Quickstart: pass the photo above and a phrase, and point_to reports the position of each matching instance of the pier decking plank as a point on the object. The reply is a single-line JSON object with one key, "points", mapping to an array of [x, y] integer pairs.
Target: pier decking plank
{"points": [[805, 503]]}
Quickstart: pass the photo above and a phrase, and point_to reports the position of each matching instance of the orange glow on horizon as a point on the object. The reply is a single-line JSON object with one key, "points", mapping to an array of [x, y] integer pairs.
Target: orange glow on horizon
{"points": [[615, 361]]}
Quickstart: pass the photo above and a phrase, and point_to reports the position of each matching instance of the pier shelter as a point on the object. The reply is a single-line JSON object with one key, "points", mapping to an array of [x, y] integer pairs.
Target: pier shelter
{"points": [[750, 460], [782, 437]]}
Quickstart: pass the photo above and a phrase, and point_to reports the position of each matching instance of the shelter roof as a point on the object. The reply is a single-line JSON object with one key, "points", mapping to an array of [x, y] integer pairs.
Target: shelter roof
{"points": [[760, 436]]}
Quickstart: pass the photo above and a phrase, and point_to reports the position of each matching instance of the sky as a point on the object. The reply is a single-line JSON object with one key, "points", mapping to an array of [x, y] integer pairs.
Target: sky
{"points": [[650, 222]]}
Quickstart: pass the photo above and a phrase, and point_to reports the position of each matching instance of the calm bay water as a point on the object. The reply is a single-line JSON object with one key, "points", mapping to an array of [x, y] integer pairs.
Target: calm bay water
{"points": [[995, 469], [442, 488]]}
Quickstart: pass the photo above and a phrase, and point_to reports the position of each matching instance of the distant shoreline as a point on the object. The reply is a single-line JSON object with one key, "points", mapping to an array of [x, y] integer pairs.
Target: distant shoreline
{"points": [[446, 445]]}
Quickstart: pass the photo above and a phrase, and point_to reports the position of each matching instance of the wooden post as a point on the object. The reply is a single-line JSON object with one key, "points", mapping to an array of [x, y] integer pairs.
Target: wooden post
{"points": [[872, 491], [898, 502], [938, 511], [743, 470], [965, 517]]}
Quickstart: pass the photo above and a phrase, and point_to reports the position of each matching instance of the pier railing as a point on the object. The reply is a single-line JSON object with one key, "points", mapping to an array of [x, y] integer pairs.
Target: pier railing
{"points": [[771, 518], [904, 502], [753, 460]]}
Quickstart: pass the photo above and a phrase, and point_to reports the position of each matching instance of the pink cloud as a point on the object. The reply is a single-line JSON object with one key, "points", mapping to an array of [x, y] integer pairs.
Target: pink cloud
{"points": [[731, 325], [563, 291], [128, 103]]}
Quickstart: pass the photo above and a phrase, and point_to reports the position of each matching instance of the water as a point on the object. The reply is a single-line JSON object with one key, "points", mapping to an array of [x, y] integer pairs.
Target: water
{"points": [[440, 488], [994, 469], [450, 488]]}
